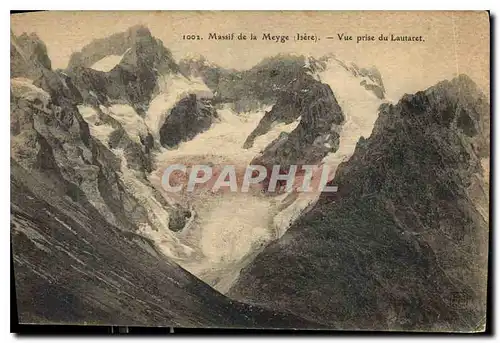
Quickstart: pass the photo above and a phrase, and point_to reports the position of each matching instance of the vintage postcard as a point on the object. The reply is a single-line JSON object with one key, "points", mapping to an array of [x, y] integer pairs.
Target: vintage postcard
{"points": [[305, 170]]}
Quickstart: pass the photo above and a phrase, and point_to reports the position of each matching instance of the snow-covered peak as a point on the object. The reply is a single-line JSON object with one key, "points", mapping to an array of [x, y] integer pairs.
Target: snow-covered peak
{"points": [[197, 59]]}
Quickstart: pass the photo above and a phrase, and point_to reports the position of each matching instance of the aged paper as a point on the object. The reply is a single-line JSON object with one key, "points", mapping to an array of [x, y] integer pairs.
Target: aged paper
{"points": [[306, 170]]}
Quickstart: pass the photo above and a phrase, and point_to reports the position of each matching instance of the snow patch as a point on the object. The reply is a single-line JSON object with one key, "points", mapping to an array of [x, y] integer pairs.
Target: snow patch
{"points": [[132, 122], [63, 224], [98, 130], [360, 108], [108, 63]]}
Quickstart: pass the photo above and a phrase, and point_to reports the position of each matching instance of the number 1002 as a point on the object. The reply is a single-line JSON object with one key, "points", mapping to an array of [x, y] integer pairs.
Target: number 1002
{"points": [[191, 37]]}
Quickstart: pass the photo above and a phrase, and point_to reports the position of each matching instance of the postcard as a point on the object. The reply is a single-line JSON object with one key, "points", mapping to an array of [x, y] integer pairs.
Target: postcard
{"points": [[232, 169]]}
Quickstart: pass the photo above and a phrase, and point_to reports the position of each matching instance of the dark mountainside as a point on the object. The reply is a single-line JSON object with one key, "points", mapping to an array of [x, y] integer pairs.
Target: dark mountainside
{"points": [[285, 81], [135, 81], [77, 256], [26, 54], [189, 117], [316, 135], [402, 246]]}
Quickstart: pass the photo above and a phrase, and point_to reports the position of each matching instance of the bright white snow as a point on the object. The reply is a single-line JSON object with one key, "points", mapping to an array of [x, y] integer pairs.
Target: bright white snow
{"points": [[107, 63], [133, 123]]}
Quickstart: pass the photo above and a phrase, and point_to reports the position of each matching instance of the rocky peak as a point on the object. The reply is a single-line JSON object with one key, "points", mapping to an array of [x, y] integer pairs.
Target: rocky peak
{"points": [[133, 80], [28, 55], [317, 133]]}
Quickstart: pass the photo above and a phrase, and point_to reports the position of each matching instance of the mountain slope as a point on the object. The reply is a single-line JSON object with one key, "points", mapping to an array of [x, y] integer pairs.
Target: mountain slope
{"points": [[321, 108], [73, 267], [27, 52], [402, 245], [247, 90]]}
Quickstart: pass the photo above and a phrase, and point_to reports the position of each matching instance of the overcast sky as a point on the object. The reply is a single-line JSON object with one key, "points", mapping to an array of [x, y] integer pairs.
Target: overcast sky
{"points": [[455, 42]]}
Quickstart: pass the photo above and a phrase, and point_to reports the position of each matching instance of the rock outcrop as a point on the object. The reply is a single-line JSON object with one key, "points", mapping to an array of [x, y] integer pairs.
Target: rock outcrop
{"points": [[317, 133], [251, 89], [189, 117]]}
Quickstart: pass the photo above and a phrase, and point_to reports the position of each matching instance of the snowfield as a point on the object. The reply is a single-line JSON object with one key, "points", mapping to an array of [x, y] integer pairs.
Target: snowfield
{"points": [[228, 229], [107, 63]]}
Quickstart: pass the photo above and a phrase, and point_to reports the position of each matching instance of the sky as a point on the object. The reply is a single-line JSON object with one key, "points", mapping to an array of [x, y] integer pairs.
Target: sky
{"points": [[455, 42]]}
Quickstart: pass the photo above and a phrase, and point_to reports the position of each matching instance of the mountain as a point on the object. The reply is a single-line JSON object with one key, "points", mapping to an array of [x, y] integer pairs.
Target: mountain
{"points": [[96, 237], [316, 109], [308, 111], [134, 79], [403, 244], [250, 89], [189, 117], [77, 210], [132, 83], [27, 52], [317, 133], [73, 267]]}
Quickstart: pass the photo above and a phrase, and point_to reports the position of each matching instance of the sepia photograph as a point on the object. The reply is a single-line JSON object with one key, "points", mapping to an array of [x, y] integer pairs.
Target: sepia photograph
{"points": [[305, 170]]}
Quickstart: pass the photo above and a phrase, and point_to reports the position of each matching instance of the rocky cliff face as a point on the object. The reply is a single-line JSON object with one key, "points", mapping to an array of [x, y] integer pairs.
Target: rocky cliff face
{"points": [[315, 136], [95, 239], [403, 244], [55, 140], [133, 80], [28, 53], [189, 117], [213, 75]]}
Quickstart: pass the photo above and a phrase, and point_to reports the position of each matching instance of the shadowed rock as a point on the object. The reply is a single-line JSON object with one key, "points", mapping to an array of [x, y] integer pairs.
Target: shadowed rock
{"points": [[189, 117]]}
